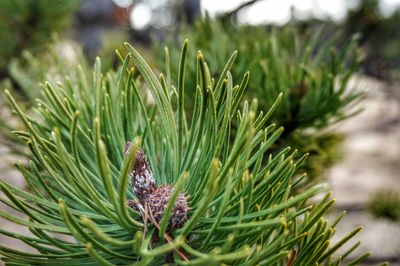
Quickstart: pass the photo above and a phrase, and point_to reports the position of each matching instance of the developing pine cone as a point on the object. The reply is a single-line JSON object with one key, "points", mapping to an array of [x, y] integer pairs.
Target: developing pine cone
{"points": [[156, 198], [142, 178]]}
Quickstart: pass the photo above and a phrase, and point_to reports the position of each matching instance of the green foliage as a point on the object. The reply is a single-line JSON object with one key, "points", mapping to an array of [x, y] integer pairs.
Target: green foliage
{"points": [[29, 73], [112, 40], [304, 66], [31, 70], [324, 150], [244, 209], [385, 203], [28, 24]]}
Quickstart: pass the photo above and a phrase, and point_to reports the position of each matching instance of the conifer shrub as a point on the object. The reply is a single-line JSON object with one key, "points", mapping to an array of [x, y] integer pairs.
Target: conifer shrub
{"points": [[134, 181]]}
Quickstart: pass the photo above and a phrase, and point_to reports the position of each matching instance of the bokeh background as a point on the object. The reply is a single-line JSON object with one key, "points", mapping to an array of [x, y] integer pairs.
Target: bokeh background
{"points": [[365, 178]]}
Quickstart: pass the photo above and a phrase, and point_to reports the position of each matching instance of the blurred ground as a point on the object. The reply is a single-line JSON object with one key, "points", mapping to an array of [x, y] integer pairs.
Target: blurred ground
{"points": [[371, 162]]}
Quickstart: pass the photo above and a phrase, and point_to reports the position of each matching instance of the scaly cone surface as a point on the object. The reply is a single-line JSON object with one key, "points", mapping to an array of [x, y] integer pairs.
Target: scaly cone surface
{"points": [[154, 199]]}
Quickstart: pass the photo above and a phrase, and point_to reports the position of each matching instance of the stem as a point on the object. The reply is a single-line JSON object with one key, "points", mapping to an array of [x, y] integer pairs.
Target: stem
{"points": [[166, 236]]}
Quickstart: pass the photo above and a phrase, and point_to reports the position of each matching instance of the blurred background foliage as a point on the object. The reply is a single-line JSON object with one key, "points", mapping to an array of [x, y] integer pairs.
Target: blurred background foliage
{"points": [[385, 203], [380, 38], [29, 25]]}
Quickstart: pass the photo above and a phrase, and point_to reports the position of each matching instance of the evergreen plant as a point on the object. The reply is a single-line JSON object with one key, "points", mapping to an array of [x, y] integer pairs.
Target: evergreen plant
{"points": [[131, 181]]}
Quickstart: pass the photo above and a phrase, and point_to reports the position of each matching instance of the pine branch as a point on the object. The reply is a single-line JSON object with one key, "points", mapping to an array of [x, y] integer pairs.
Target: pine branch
{"points": [[84, 182], [233, 12]]}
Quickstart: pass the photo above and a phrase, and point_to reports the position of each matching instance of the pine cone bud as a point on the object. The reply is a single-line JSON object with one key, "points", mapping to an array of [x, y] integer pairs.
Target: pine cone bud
{"points": [[142, 178], [155, 198], [158, 201]]}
